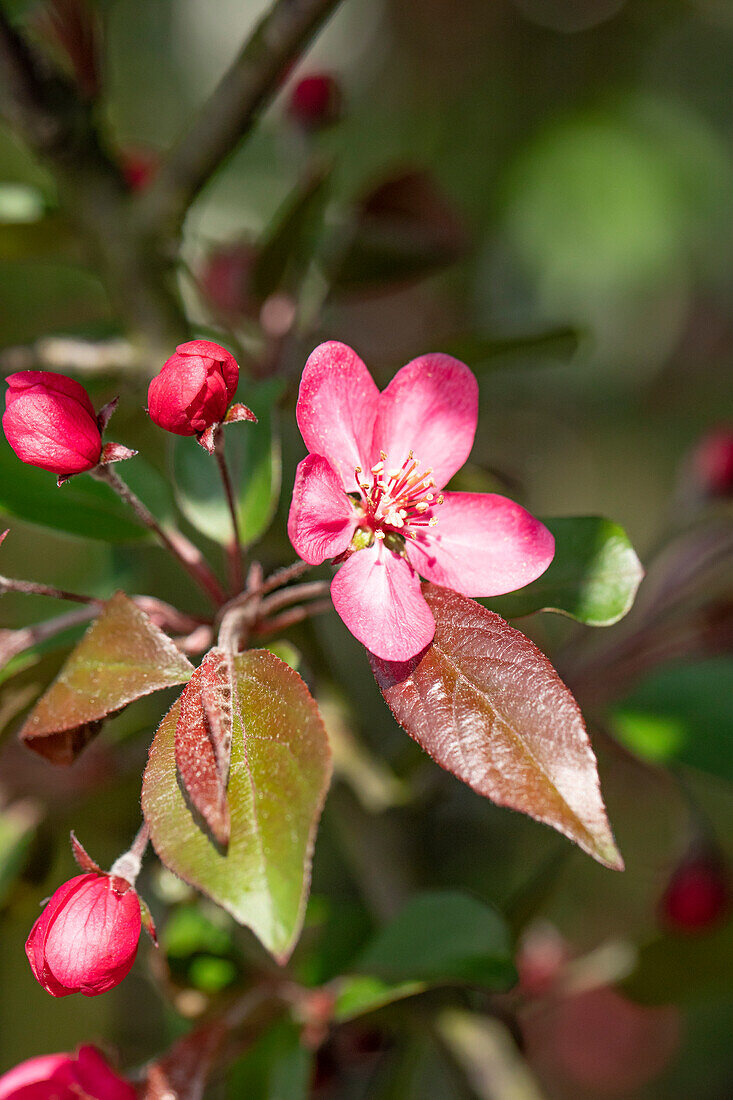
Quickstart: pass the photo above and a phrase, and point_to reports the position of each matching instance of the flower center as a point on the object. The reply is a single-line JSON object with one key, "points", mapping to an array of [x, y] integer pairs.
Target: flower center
{"points": [[397, 504]]}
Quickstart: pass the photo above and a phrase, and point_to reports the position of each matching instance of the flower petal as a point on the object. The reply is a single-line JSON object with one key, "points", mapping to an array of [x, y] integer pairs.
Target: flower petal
{"points": [[483, 545], [337, 404], [377, 594], [431, 408], [322, 518]]}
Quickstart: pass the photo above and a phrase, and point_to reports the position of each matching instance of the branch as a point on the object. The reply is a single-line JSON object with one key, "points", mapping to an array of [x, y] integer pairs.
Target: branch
{"points": [[233, 108]]}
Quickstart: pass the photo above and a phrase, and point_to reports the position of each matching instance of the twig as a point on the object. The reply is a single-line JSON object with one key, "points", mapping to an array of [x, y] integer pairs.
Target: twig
{"points": [[284, 576], [177, 544], [16, 641], [234, 549], [233, 108], [296, 594], [291, 617], [32, 588]]}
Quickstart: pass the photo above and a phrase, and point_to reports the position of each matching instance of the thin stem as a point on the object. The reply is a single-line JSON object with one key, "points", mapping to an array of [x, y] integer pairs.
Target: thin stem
{"points": [[254, 77], [234, 549], [128, 865], [32, 588], [14, 642], [292, 616], [310, 591], [177, 544], [284, 576]]}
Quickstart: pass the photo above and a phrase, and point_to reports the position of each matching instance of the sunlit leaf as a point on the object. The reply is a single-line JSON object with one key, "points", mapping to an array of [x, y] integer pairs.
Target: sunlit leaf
{"points": [[442, 937], [278, 1066], [82, 506], [593, 577], [253, 456], [489, 707], [122, 657], [279, 774], [360, 994]]}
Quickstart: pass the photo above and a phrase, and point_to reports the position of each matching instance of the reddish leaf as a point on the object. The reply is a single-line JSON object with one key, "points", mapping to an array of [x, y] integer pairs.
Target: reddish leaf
{"points": [[122, 657], [489, 707], [204, 740], [280, 771], [238, 411], [115, 452]]}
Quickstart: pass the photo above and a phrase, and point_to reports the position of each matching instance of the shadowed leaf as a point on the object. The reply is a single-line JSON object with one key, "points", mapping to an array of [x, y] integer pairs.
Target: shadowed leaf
{"points": [[593, 577], [122, 657], [204, 741], [279, 774], [489, 707], [442, 937]]}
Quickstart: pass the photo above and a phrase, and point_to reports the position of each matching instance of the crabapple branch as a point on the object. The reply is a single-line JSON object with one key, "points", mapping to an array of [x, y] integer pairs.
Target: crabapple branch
{"points": [[233, 108]]}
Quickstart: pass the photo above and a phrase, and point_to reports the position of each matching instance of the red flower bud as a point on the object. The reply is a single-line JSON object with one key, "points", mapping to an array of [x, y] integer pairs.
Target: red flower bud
{"points": [[315, 101], [50, 422], [85, 940], [194, 388], [697, 895], [65, 1077], [713, 463]]}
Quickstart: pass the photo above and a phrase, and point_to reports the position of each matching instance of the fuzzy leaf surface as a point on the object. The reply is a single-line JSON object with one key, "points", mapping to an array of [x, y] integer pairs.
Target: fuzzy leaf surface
{"points": [[279, 774], [122, 657], [489, 707]]}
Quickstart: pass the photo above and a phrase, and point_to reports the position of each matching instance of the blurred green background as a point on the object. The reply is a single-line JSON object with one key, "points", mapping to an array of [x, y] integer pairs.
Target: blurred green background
{"points": [[562, 221]]}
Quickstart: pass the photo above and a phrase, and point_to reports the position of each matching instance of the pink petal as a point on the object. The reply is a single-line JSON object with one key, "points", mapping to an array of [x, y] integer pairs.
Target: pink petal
{"points": [[92, 939], [431, 408], [322, 518], [92, 1073], [483, 545], [36, 942], [35, 1071], [49, 382], [53, 432], [377, 594], [337, 404]]}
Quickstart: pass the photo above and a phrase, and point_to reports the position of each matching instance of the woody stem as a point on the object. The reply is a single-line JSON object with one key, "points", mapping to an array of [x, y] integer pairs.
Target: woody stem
{"points": [[174, 542], [129, 863], [234, 549]]}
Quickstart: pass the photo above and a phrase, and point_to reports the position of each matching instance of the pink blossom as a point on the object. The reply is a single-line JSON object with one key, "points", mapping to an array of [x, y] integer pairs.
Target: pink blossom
{"points": [[65, 1077], [50, 422], [85, 940], [370, 492], [193, 388]]}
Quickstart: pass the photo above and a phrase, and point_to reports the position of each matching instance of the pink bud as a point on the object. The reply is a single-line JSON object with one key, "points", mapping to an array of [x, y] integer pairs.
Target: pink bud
{"points": [[50, 422], [315, 101], [85, 940], [65, 1077], [194, 388]]}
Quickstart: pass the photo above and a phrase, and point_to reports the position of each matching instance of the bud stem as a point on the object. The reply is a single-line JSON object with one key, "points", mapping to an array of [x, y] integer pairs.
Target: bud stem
{"points": [[177, 544], [31, 588], [127, 866], [234, 549]]}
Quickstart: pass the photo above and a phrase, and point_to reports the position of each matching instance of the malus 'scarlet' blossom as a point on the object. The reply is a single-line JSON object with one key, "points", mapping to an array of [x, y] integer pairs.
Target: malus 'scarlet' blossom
{"points": [[194, 388], [86, 938], [50, 422], [65, 1077], [371, 489]]}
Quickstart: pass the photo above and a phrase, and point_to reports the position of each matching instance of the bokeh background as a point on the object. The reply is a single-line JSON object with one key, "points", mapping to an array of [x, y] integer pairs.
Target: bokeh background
{"points": [[542, 187]]}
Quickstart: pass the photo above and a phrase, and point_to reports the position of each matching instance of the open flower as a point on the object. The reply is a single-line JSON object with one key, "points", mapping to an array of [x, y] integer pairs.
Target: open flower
{"points": [[85, 940], [371, 493]]}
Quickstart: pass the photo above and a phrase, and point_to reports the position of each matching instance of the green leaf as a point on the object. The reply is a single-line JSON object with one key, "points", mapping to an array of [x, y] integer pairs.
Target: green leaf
{"points": [[82, 506], [488, 706], [360, 994], [122, 657], [17, 829], [555, 345], [290, 243], [279, 775], [593, 577], [682, 712], [442, 937], [253, 456]]}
